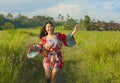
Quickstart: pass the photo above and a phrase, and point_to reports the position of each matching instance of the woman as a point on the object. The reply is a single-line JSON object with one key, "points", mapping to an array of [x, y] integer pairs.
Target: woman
{"points": [[51, 43]]}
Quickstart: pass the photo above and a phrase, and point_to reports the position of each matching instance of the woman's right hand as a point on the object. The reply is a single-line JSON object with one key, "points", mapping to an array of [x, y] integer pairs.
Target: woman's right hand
{"points": [[30, 47]]}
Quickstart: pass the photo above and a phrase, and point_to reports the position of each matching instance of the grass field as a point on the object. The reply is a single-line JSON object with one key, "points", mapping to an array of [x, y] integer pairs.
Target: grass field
{"points": [[94, 59]]}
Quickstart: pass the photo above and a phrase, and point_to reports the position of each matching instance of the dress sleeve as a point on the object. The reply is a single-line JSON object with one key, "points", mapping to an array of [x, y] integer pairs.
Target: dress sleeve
{"points": [[35, 50], [68, 40]]}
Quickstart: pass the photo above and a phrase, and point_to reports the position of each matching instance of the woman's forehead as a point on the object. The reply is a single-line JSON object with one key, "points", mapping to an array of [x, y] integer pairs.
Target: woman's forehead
{"points": [[48, 24]]}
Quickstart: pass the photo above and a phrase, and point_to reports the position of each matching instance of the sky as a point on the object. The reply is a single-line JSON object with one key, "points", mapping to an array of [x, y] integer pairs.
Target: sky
{"points": [[103, 10]]}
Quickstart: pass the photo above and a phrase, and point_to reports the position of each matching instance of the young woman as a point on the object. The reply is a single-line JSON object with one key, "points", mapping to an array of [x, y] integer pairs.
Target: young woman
{"points": [[51, 43]]}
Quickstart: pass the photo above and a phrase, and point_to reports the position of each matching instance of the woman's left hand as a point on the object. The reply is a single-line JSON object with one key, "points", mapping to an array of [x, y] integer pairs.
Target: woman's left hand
{"points": [[77, 26]]}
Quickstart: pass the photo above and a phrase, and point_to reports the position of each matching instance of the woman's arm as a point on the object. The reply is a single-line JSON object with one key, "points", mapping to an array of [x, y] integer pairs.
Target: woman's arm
{"points": [[34, 50], [69, 39], [75, 29]]}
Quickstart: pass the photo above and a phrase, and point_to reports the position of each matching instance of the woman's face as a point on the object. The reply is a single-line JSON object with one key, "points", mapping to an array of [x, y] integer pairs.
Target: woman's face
{"points": [[49, 28]]}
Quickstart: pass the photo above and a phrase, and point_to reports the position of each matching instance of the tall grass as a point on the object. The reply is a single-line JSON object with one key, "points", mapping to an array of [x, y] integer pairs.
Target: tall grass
{"points": [[94, 59]]}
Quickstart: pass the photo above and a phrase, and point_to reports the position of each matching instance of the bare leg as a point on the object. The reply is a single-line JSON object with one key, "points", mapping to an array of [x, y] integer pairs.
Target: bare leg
{"points": [[48, 75], [54, 73]]}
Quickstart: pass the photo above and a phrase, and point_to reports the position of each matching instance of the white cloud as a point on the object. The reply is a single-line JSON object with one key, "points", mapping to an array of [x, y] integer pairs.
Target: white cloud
{"points": [[79, 11], [100, 9], [105, 16], [61, 8]]}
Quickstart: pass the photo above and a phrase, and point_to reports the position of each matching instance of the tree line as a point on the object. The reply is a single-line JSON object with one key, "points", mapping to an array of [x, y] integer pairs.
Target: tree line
{"points": [[63, 22]]}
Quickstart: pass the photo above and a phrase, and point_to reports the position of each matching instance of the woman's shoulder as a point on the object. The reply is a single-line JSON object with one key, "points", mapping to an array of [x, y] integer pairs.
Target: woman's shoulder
{"points": [[61, 35], [58, 33], [43, 39]]}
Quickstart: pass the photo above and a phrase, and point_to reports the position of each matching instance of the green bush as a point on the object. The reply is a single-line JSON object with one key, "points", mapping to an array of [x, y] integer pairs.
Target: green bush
{"points": [[8, 25]]}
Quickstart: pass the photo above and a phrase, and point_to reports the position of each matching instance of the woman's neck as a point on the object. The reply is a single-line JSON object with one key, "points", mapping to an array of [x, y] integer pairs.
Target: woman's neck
{"points": [[50, 34]]}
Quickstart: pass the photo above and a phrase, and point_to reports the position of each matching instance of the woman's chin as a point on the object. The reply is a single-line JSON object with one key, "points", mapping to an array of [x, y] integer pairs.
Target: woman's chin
{"points": [[50, 32]]}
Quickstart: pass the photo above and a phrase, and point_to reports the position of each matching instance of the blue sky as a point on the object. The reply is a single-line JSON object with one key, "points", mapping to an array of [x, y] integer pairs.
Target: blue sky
{"points": [[99, 9]]}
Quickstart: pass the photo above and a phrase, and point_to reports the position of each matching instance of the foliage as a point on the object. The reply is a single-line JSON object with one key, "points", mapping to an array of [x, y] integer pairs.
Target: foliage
{"points": [[8, 25], [66, 21], [2, 19], [86, 22], [69, 24]]}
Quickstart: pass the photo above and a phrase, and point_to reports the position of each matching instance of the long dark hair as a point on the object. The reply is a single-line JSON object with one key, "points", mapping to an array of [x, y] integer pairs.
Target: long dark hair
{"points": [[43, 31]]}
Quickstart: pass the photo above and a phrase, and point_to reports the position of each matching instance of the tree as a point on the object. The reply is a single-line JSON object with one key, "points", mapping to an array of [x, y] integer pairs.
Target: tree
{"points": [[2, 19], [9, 25], [40, 20], [9, 16], [68, 17], [69, 24], [21, 21], [86, 22], [111, 21], [61, 17], [1, 27]]}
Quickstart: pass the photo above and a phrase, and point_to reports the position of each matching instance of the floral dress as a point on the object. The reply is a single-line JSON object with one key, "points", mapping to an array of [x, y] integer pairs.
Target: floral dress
{"points": [[53, 56]]}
